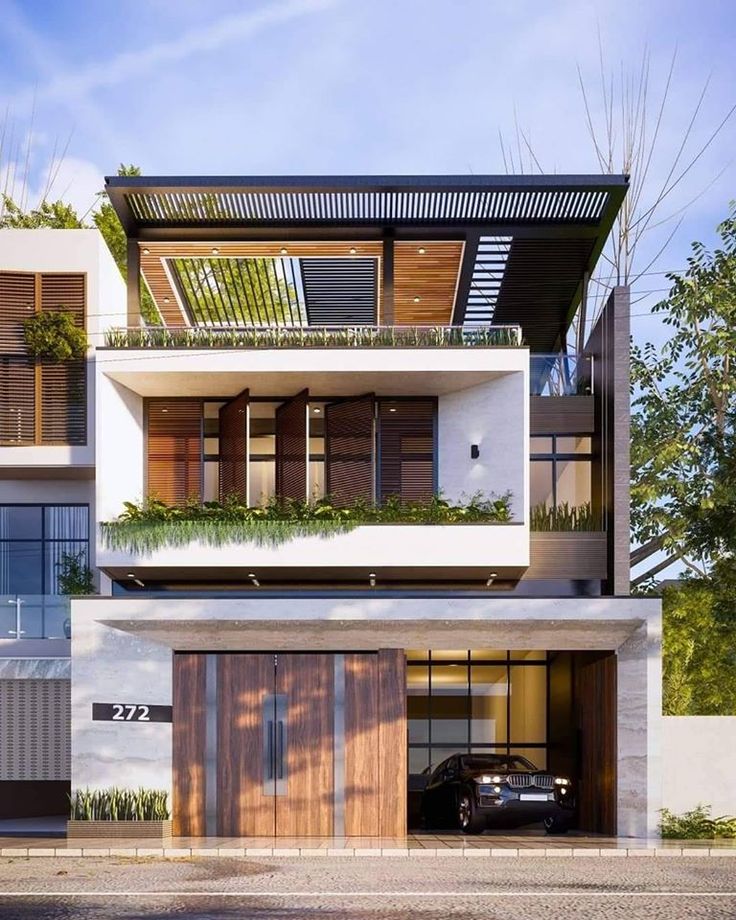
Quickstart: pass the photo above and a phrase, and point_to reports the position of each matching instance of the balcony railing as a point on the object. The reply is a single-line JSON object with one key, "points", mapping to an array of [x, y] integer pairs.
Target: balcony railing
{"points": [[34, 616], [315, 337], [561, 374]]}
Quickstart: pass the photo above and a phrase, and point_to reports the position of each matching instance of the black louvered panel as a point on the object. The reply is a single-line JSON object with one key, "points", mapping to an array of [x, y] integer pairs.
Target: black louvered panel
{"points": [[17, 400], [234, 448], [174, 450], [64, 403], [17, 303], [63, 293], [407, 448], [340, 292], [291, 447], [350, 449]]}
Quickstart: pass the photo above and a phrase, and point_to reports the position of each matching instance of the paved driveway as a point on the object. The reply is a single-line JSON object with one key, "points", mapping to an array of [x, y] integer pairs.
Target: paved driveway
{"points": [[359, 889]]}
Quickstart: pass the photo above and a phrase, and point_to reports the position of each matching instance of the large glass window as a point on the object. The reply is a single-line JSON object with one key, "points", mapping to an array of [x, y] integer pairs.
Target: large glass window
{"points": [[485, 700], [560, 471], [33, 542]]}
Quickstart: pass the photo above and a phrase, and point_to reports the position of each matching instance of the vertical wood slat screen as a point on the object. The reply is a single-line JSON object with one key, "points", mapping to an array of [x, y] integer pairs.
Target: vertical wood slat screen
{"points": [[61, 415], [174, 449], [407, 454], [291, 447], [234, 448], [350, 450]]}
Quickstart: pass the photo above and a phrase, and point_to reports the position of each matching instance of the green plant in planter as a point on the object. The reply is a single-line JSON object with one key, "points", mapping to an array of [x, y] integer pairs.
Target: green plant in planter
{"points": [[119, 805], [54, 337], [75, 577], [696, 824]]}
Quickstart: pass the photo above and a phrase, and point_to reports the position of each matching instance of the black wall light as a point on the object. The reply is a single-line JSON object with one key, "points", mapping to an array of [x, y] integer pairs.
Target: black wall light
{"points": [[474, 451]]}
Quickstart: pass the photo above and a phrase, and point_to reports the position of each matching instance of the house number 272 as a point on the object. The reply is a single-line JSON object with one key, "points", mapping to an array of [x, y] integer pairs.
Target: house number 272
{"points": [[130, 712]]}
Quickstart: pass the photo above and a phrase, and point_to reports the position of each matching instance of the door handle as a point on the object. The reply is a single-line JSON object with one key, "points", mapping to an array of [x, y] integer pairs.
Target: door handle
{"points": [[280, 748], [270, 749]]}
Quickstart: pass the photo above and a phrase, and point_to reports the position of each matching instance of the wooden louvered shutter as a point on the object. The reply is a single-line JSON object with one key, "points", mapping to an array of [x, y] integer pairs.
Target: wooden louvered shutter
{"points": [[17, 371], [349, 450], [406, 438], [64, 386], [291, 447], [174, 450], [234, 448]]}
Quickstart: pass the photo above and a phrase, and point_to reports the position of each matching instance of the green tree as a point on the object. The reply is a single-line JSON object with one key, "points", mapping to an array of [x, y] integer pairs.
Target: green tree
{"points": [[56, 215], [683, 420], [698, 652]]}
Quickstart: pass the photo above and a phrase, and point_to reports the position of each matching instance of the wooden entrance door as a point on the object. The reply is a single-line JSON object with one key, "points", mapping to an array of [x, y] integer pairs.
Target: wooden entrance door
{"points": [[290, 744]]}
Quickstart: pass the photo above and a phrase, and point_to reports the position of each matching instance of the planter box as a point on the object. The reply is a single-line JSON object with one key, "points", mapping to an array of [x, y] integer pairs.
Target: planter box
{"points": [[118, 830]]}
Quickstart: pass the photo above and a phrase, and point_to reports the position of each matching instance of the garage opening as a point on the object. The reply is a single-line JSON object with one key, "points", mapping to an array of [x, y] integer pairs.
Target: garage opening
{"points": [[548, 713]]}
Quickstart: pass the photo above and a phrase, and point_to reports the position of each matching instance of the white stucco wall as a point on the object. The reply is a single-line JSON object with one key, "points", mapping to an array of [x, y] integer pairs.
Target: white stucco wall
{"points": [[495, 416], [699, 763]]}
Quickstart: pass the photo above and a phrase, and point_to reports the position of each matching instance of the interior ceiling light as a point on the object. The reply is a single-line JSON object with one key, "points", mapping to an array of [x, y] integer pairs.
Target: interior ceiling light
{"points": [[372, 579], [421, 250], [353, 250], [284, 250], [492, 576], [252, 576], [316, 410], [146, 252], [215, 251], [166, 299], [417, 299], [392, 409]]}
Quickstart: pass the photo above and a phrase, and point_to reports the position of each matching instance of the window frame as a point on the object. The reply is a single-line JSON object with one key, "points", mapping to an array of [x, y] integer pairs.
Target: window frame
{"points": [[554, 456]]}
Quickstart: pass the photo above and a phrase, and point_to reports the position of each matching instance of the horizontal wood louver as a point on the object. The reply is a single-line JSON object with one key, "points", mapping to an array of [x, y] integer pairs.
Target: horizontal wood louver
{"points": [[64, 293], [174, 450], [17, 400], [17, 303], [64, 403], [407, 454], [234, 448], [291, 447], [349, 450]]}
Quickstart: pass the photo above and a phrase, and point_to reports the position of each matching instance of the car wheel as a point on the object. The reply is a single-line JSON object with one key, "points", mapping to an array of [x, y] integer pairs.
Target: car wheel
{"points": [[556, 825], [468, 819]]}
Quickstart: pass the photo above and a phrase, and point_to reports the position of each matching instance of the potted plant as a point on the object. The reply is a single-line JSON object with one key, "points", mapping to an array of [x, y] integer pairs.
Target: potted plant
{"points": [[119, 813], [54, 337]]}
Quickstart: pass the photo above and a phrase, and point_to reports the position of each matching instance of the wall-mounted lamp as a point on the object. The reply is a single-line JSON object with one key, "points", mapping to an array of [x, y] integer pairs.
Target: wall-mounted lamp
{"points": [[492, 576], [136, 581], [252, 576], [372, 579], [474, 451]]}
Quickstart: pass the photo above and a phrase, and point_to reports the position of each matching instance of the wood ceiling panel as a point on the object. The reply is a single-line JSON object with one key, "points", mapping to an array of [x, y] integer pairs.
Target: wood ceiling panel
{"points": [[432, 276]]}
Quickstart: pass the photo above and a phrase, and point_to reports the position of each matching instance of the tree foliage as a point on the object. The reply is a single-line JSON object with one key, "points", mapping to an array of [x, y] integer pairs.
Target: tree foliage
{"points": [[56, 215], [698, 651], [684, 414]]}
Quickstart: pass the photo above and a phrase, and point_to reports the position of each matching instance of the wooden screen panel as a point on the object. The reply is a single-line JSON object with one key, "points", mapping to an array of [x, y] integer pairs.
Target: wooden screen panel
{"points": [[362, 793], [407, 448], [291, 447], [392, 742], [64, 293], [188, 745], [595, 704], [234, 448], [64, 403], [307, 808], [17, 303], [174, 449], [17, 400], [432, 276], [242, 682], [349, 450]]}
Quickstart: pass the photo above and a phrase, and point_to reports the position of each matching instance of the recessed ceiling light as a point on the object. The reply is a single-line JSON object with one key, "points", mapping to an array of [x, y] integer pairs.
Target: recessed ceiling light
{"points": [[421, 250], [316, 410], [164, 410], [146, 252], [417, 299], [353, 250], [284, 250], [166, 299], [131, 574], [392, 409], [215, 251], [372, 579]]}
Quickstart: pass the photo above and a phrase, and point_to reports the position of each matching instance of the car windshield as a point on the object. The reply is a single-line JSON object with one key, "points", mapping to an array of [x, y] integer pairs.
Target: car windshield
{"points": [[498, 763]]}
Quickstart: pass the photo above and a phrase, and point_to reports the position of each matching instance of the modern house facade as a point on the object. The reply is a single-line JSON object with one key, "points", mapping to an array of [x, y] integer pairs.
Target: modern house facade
{"points": [[440, 562]]}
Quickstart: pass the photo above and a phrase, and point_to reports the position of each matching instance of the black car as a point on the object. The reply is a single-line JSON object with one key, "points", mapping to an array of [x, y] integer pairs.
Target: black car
{"points": [[474, 791]]}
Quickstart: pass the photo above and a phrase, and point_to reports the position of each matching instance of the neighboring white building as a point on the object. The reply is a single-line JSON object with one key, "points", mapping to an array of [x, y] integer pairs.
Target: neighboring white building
{"points": [[366, 338]]}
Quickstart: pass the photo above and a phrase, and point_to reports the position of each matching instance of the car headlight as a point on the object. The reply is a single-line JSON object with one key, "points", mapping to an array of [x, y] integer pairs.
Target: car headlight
{"points": [[561, 781], [487, 778]]}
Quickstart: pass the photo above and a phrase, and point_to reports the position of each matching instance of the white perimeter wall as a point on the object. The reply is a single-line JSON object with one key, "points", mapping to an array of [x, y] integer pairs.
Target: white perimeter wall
{"points": [[495, 416], [699, 763]]}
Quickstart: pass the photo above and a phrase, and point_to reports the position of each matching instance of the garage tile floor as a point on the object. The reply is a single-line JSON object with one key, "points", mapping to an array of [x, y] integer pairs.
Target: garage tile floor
{"points": [[421, 844]]}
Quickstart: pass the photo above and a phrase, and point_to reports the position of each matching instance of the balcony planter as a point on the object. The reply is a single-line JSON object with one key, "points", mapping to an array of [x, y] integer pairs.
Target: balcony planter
{"points": [[119, 830]]}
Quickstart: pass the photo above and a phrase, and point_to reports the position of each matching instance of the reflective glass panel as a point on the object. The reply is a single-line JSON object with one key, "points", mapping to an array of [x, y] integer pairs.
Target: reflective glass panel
{"points": [[573, 482], [488, 697], [528, 704], [417, 704], [540, 483], [450, 704], [577, 444]]}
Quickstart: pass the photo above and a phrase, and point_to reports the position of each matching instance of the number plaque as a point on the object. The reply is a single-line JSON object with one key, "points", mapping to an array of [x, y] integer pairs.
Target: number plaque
{"points": [[130, 712]]}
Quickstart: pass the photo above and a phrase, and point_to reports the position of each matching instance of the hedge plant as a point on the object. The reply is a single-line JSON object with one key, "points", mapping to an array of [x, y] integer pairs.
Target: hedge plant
{"points": [[119, 805], [54, 337], [148, 526], [696, 824]]}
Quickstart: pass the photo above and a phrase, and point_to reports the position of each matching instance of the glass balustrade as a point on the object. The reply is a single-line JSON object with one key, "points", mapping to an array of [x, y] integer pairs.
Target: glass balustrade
{"points": [[561, 374], [34, 616]]}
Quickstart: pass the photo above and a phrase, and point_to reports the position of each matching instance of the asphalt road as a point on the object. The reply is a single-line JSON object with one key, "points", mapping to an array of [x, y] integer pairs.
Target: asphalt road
{"points": [[367, 889]]}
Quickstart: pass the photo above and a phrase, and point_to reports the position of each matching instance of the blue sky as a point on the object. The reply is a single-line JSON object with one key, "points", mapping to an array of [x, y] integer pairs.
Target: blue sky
{"points": [[386, 86]]}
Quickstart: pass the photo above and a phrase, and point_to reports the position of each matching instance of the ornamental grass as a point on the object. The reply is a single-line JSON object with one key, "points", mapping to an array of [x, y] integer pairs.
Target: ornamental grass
{"points": [[116, 804]]}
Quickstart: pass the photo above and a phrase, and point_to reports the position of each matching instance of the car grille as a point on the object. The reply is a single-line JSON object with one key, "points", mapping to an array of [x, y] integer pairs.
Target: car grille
{"points": [[524, 780]]}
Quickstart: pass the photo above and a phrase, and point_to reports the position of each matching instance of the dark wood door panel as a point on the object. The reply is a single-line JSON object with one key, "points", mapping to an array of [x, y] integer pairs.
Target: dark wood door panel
{"points": [[188, 745], [362, 796], [392, 741]]}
